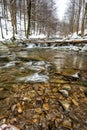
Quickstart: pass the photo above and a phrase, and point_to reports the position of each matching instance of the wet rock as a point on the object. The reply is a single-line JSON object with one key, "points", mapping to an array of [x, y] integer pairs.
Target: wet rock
{"points": [[13, 107], [64, 93], [46, 106], [13, 120], [75, 102], [40, 92], [66, 87], [19, 106], [58, 81], [28, 99], [35, 120], [54, 90], [15, 88], [1, 89], [65, 105], [38, 110], [1, 118], [31, 94], [39, 101], [67, 124]]}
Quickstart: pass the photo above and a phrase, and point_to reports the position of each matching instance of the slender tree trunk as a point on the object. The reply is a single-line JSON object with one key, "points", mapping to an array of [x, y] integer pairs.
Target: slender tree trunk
{"points": [[73, 13], [29, 16], [83, 18], [78, 16], [34, 23], [1, 18], [5, 15], [12, 17], [20, 1], [15, 17], [1, 28], [25, 17]]}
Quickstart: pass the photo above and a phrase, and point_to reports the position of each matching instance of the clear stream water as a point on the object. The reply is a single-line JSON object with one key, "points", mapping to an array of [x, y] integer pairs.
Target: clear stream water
{"points": [[33, 65]]}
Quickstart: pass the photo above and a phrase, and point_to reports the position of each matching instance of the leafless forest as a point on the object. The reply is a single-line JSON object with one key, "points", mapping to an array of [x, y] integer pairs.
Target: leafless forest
{"points": [[39, 16]]}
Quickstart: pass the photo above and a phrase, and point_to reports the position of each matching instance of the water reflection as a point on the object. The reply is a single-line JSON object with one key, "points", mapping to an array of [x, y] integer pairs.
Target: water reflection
{"points": [[36, 67]]}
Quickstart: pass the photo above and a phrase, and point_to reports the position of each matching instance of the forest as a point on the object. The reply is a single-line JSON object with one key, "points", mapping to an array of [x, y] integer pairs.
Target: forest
{"points": [[40, 17], [43, 65]]}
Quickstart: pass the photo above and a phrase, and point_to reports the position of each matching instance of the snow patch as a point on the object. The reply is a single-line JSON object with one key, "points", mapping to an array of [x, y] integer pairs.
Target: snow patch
{"points": [[41, 36]]}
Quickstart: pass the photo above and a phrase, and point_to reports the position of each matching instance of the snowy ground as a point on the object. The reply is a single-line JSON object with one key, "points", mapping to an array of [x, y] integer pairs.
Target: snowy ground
{"points": [[21, 34]]}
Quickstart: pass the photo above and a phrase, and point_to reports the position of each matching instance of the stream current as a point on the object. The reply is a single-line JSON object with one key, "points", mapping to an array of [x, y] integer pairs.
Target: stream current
{"points": [[34, 65]]}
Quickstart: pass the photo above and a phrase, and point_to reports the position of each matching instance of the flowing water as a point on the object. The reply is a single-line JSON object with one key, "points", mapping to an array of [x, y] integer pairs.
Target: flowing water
{"points": [[34, 65]]}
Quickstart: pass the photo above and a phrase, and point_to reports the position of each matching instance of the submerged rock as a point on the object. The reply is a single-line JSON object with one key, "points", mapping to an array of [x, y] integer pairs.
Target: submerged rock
{"points": [[75, 102], [46, 106], [64, 93], [66, 87], [65, 105], [19, 106], [67, 124]]}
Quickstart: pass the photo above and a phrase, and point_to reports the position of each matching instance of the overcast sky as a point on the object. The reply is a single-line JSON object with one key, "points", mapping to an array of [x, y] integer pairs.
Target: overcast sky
{"points": [[62, 5]]}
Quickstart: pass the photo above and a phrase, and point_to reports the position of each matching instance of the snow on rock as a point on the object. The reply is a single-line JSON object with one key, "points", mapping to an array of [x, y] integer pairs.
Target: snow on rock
{"points": [[32, 45], [73, 36], [70, 47], [41, 36]]}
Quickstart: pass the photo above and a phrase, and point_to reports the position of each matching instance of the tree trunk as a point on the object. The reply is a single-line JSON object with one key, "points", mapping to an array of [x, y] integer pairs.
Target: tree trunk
{"points": [[1, 28], [24, 17], [29, 16], [83, 18], [78, 16], [5, 15], [12, 17], [15, 17]]}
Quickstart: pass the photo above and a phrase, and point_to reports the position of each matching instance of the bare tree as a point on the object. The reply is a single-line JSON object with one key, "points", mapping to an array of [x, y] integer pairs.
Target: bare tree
{"points": [[78, 15], [38, 16], [83, 17], [29, 16], [12, 9]]}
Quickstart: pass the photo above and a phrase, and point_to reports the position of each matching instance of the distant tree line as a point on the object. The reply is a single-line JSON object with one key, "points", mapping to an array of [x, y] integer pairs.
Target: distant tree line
{"points": [[76, 17], [29, 16], [39, 17]]}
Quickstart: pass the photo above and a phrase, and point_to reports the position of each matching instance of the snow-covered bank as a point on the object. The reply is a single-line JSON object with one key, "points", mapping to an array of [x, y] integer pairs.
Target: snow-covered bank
{"points": [[75, 36], [71, 45], [67, 47]]}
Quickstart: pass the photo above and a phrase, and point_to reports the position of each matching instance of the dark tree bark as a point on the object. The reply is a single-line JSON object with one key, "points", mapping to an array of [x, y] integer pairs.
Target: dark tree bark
{"points": [[12, 8], [29, 17]]}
